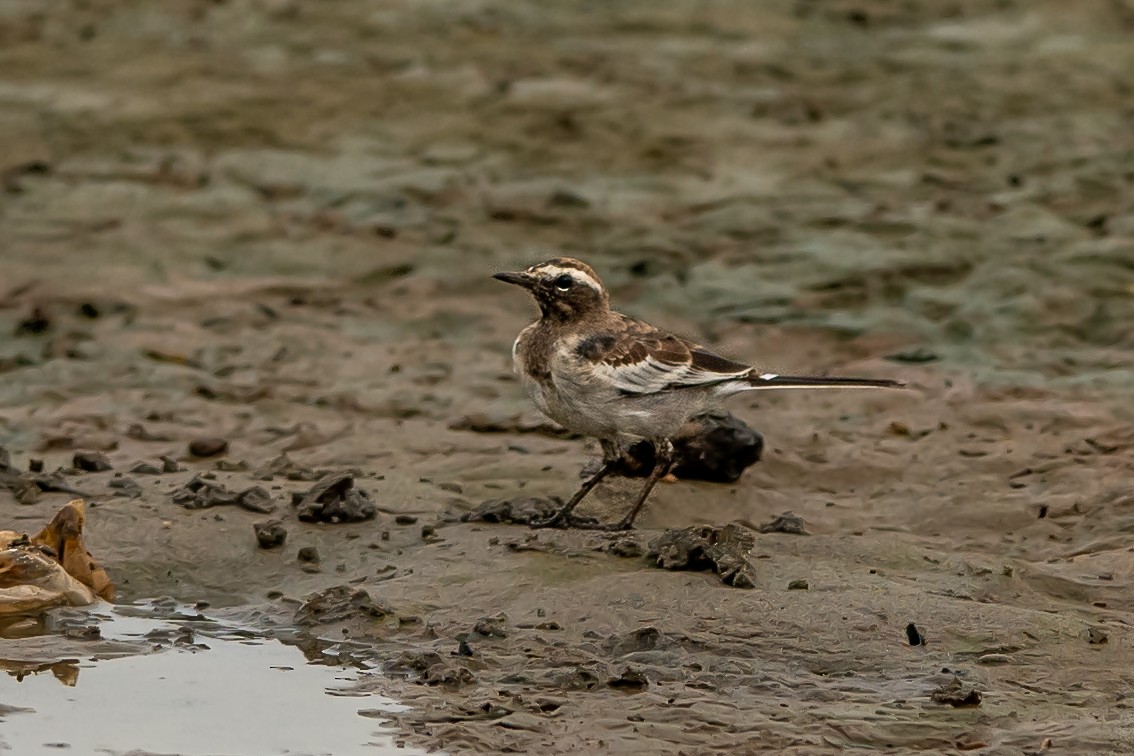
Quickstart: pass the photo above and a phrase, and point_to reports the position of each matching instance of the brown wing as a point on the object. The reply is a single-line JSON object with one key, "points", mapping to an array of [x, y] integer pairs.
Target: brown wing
{"points": [[640, 359]]}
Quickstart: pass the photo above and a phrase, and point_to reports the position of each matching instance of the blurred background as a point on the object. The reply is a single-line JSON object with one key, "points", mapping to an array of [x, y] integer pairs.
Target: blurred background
{"points": [[958, 172]]}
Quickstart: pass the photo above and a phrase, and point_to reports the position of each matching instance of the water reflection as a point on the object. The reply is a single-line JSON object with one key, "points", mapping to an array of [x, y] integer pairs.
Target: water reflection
{"points": [[169, 680]]}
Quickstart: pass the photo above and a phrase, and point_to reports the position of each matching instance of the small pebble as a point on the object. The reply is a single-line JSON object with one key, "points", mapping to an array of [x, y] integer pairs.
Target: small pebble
{"points": [[270, 533], [799, 584], [208, 446], [308, 554]]}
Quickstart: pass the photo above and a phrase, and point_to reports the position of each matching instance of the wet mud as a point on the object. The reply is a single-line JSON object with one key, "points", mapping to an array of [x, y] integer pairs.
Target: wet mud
{"points": [[246, 258]]}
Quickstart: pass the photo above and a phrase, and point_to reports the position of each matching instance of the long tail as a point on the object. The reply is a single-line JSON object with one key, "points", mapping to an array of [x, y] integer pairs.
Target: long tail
{"points": [[766, 381]]}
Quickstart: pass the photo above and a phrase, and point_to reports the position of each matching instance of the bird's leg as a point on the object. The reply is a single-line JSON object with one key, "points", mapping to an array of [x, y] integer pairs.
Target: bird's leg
{"points": [[609, 460], [664, 452]]}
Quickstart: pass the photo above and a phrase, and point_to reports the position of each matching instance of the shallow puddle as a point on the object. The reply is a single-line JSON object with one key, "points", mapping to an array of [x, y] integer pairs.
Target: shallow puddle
{"points": [[210, 688]]}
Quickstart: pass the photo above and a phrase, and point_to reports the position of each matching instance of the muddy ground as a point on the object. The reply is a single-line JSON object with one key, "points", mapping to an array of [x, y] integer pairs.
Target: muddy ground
{"points": [[274, 222]]}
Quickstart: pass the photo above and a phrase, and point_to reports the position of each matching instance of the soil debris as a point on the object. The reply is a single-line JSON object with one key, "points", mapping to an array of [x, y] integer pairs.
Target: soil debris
{"points": [[123, 486], [200, 493], [283, 467], [1097, 636], [721, 549], [787, 522], [957, 694], [334, 499], [337, 604], [627, 547], [91, 461], [430, 668], [270, 533], [630, 680]]}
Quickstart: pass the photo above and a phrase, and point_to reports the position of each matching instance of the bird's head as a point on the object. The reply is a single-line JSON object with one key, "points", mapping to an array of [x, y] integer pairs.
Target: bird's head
{"points": [[565, 289]]}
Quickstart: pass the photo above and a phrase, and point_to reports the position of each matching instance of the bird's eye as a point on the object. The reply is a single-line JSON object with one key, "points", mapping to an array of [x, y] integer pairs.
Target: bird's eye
{"points": [[564, 282]]}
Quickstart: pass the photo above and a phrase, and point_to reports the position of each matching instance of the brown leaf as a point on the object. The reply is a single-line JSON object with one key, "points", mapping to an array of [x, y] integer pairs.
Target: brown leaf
{"points": [[64, 535]]}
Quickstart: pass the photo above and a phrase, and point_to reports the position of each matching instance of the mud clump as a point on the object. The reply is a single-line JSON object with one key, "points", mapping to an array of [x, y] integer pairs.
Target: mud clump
{"points": [[270, 534], [720, 549], [91, 461], [716, 447], [283, 467], [430, 668], [337, 604], [334, 499], [785, 523], [956, 694], [200, 493]]}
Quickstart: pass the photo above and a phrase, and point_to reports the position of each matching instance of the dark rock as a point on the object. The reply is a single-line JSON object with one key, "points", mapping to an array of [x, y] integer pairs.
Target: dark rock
{"points": [[914, 636], [270, 533], [308, 554], [784, 523], [716, 447], [721, 549], [208, 446], [35, 465], [200, 493], [339, 603], [405, 519], [799, 584], [169, 465], [956, 694], [91, 461], [334, 499], [34, 324], [464, 649]]}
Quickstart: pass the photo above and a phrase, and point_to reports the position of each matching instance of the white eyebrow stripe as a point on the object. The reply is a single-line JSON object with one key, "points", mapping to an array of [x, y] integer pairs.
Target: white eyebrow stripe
{"points": [[554, 271]]}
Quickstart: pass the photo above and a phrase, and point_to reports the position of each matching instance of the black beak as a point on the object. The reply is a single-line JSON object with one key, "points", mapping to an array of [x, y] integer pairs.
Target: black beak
{"points": [[519, 279]]}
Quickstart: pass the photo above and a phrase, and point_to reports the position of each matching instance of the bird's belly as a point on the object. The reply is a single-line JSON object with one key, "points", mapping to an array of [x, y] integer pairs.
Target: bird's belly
{"points": [[583, 414], [656, 416]]}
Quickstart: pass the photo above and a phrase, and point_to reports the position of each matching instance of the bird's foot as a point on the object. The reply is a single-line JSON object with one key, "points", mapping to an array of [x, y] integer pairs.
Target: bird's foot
{"points": [[563, 519], [581, 524]]}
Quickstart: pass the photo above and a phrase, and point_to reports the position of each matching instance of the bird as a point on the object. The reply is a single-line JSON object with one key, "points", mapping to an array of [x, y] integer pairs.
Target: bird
{"points": [[605, 375]]}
